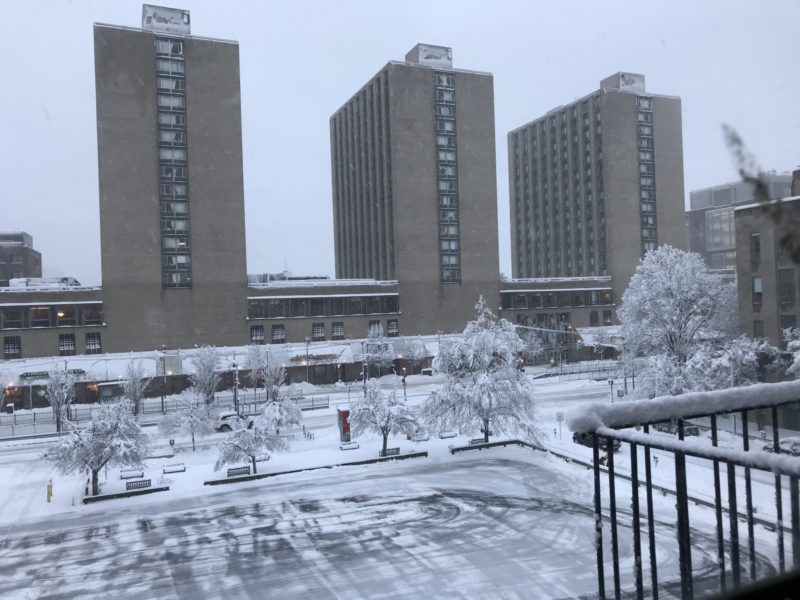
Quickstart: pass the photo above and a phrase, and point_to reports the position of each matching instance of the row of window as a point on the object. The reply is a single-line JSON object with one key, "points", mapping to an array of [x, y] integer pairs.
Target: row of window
{"points": [[787, 295], [785, 322], [526, 300], [12, 345], [647, 172], [176, 265], [447, 174], [275, 308], [318, 331], [59, 315]]}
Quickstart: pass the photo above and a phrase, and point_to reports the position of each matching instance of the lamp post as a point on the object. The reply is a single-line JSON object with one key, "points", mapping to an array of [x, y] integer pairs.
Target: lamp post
{"points": [[611, 383], [308, 340], [163, 375], [235, 388]]}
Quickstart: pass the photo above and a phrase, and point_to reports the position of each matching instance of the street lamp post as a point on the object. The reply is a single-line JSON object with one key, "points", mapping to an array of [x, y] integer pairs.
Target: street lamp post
{"points": [[235, 388], [611, 383], [163, 376], [308, 340]]}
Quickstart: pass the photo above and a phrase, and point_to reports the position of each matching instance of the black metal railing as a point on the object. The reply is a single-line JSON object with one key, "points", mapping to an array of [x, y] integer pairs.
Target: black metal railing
{"points": [[738, 561]]}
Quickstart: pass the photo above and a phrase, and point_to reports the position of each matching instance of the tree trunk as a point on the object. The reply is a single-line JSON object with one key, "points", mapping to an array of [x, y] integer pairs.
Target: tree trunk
{"points": [[486, 430], [58, 422], [193, 448], [254, 465], [95, 483], [385, 441]]}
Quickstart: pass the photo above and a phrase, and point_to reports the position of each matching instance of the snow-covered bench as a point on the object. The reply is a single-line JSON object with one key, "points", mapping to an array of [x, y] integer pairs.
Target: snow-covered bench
{"points": [[175, 468], [262, 458], [389, 452], [476, 441], [348, 446], [447, 434], [130, 474], [137, 485], [233, 472]]}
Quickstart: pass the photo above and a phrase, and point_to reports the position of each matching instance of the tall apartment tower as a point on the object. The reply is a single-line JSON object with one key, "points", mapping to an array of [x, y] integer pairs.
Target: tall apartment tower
{"points": [[170, 179], [414, 187], [596, 183]]}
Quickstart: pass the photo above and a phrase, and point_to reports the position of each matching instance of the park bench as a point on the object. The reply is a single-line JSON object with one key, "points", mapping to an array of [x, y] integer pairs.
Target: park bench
{"points": [[130, 474], [233, 472], [137, 485], [476, 441], [389, 452], [348, 446], [420, 437], [175, 468], [262, 458], [447, 434]]}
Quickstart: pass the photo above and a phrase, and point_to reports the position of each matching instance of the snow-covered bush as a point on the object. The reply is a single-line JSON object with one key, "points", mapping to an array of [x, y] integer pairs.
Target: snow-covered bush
{"points": [[60, 392], [264, 368], [382, 413], [279, 414], [378, 350], [240, 445], [112, 437], [792, 338], [134, 384], [483, 386]]}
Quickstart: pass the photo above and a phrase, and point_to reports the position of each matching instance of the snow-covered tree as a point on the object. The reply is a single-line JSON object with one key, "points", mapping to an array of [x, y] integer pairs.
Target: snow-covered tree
{"points": [[60, 391], [671, 305], [241, 445], [382, 413], [278, 414], [191, 417], [792, 338], [112, 437], [416, 353], [532, 344], [731, 364], [377, 351], [264, 368], [205, 378], [135, 383], [483, 384]]}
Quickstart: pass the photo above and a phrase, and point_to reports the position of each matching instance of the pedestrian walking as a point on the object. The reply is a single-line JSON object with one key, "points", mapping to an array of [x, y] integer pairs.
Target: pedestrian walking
{"points": [[655, 460]]}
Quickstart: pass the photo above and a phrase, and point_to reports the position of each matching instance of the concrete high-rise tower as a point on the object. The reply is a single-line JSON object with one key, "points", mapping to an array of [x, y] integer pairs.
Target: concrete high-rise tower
{"points": [[170, 178], [596, 183], [414, 186]]}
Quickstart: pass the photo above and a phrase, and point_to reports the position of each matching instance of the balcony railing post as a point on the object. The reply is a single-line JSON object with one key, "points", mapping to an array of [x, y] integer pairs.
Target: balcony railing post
{"points": [[778, 494], [598, 519], [612, 509], [651, 524], [734, 524], [684, 542], [795, 503], [718, 510], [637, 543], [751, 542]]}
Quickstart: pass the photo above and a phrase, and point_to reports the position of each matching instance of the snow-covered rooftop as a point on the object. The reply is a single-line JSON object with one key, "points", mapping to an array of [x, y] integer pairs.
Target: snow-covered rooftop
{"points": [[770, 203], [592, 279], [320, 283]]}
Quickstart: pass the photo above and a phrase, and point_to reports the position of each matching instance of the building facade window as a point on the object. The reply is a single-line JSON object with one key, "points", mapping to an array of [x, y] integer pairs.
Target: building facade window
{"points": [[447, 174], [66, 344], [92, 343], [720, 233], [12, 347], [755, 248], [392, 328], [318, 332], [278, 334], [758, 291], [647, 172], [788, 322], [176, 264], [758, 329], [373, 326], [786, 293], [607, 318], [256, 334], [337, 330], [594, 319]]}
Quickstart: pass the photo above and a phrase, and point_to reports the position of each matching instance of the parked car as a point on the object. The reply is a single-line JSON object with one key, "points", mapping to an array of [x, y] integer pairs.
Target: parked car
{"points": [[228, 421], [789, 445], [672, 427], [585, 439]]}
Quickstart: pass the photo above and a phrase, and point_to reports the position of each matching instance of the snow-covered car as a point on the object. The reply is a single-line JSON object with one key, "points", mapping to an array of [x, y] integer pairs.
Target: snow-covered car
{"points": [[229, 421], [789, 445], [585, 439]]}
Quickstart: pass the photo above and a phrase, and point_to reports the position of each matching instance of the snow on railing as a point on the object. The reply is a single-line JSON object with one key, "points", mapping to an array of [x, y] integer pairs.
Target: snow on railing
{"points": [[589, 417]]}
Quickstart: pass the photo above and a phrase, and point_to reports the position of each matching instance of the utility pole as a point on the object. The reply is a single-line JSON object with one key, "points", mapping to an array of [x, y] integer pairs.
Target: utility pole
{"points": [[307, 342], [235, 388]]}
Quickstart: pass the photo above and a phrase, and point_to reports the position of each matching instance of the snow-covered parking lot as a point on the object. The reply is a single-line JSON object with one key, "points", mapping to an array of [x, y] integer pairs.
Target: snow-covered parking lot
{"points": [[509, 523]]}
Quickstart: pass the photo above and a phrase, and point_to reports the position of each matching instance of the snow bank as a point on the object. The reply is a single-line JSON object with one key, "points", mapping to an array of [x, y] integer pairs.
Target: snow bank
{"points": [[588, 418]]}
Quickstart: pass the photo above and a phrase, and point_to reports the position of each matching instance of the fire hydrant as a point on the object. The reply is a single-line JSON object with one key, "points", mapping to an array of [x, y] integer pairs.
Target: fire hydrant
{"points": [[49, 489]]}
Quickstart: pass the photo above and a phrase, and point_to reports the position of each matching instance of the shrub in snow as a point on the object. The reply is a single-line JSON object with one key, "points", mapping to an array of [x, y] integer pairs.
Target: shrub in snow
{"points": [[731, 364], [382, 413], [483, 386], [280, 413], [191, 417], [60, 392], [112, 437], [134, 385], [792, 338], [205, 378]]}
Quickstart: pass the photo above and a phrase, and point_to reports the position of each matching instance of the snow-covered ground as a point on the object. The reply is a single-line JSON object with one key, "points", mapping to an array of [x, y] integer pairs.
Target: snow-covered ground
{"points": [[511, 523]]}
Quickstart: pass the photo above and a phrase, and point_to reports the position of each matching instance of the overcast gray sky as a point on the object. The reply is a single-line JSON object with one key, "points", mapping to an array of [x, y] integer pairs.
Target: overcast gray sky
{"points": [[730, 62]]}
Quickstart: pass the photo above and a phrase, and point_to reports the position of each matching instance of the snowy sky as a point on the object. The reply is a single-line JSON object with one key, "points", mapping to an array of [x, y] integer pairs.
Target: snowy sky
{"points": [[731, 62]]}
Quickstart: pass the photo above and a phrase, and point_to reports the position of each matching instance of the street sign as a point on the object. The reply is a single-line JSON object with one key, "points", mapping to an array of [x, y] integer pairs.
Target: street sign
{"points": [[559, 416]]}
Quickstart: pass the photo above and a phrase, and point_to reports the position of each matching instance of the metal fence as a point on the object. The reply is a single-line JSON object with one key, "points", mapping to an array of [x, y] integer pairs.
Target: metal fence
{"points": [[737, 559]]}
